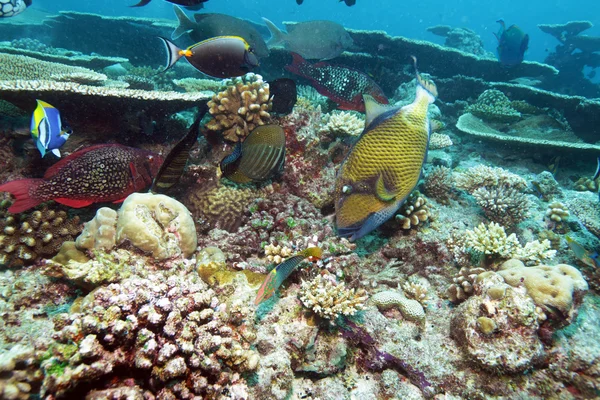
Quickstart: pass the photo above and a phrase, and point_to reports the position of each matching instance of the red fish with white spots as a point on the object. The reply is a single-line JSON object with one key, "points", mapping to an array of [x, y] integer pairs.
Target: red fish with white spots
{"points": [[101, 173], [343, 85]]}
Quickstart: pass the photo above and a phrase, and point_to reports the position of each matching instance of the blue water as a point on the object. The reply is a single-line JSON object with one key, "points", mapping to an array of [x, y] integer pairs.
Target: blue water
{"points": [[397, 17]]}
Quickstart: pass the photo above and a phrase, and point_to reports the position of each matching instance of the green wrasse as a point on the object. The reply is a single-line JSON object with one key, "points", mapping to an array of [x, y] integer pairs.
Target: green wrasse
{"points": [[589, 259], [280, 273], [384, 166]]}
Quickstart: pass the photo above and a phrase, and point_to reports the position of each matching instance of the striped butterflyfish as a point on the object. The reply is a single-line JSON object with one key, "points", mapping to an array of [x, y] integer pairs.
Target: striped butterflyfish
{"points": [[259, 157]]}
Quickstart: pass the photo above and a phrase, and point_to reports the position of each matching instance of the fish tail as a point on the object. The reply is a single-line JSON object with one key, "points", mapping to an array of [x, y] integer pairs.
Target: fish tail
{"points": [[425, 83], [174, 53], [184, 24], [277, 37], [141, 3], [23, 190]]}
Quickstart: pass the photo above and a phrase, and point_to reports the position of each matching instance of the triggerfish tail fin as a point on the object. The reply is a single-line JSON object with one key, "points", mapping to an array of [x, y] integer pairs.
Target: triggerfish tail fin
{"points": [[280, 273], [22, 191], [184, 24], [141, 3], [426, 84], [174, 53], [276, 35], [597, 174]]}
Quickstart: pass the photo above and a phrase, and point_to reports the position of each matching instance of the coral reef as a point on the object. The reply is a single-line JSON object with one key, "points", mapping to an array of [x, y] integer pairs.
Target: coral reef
{"points": [[462, 39], [330, 299], [439, 141], [241, 107], [343, 123], [504, 205], [413, 212], [547, 186], [411, 309], [100, 233], [493, 105], [438, 183], [463, 281]]}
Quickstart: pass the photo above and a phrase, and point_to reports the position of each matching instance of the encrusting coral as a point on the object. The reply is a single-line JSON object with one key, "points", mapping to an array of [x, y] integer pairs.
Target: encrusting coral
{"points": [[411, 309], [493, 105], [330, 299], [240, 108]]}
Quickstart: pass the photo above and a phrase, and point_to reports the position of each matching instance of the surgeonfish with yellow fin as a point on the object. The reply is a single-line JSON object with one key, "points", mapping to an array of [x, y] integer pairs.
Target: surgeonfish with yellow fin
{"points": [[280, 273], [259, 157], [384, 166], [47, 129], [589, 259], [219, 57]]}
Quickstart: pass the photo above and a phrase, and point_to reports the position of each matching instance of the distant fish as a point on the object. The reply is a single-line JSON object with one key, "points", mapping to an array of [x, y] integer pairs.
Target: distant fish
{"points": [[384, 165], [589, 259], [172, 168], [280, 273], [343, 85], [597, 174], [101, 173], [219, 57], [512, 43], [210, 25], [10, 8], [189, 4], [349, 3], [47, 129], [312, 39], [260, 157], [284, 95]]}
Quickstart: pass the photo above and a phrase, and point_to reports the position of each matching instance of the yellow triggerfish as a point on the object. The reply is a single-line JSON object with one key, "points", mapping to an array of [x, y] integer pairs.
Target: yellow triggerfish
{"points": [[385, 164]]}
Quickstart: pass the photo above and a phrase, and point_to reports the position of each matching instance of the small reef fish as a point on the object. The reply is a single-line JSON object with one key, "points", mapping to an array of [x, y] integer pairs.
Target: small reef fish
{"points": [[172, 168], [10, 8], [284, 95], [260, 157], [219, 57], [280, 273], [384, 165], [343, 85], [189, 4], [101, 173], [210, 25], [47, 129], [597, 174], [589, 259], [312, 39], [512, 44]]}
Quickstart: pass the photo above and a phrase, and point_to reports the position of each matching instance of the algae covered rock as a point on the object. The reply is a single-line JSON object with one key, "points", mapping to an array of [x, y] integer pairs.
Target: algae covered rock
{"points": [[157, 224]]}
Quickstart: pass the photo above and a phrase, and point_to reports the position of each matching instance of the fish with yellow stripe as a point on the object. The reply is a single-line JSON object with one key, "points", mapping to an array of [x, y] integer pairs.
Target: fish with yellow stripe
{"points": [[384, 166], [280, 273], [47, 129]]}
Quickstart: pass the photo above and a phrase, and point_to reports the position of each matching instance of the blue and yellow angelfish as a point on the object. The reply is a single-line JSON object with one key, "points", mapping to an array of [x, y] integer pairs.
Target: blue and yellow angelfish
{"points": [[47, 129], [384, 166], [512, 44]]}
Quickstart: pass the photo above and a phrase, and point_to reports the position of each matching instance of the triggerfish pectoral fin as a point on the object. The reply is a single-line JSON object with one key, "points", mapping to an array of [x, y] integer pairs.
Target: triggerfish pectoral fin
{"points": [[373, 221]]}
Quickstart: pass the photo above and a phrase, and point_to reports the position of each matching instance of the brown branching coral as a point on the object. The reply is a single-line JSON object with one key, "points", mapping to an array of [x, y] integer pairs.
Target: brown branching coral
{"points": [[482, 175], [28, 237], [462, 286], [413, 212], [438, 183], [240, 108], [503, 204]]}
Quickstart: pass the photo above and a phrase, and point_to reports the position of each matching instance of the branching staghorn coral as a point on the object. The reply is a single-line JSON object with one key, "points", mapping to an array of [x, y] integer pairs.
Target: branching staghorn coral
{"points": [[438, 183], [240, 108], [503, 204], [330, 299]]}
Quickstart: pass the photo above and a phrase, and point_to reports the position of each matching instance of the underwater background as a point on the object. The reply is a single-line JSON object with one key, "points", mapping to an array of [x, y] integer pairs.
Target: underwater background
{"points": [[299, 199]]}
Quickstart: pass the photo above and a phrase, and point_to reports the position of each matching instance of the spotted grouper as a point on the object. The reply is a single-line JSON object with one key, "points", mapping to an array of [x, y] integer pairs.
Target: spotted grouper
{"points": [[384, 165], [101, 173]]}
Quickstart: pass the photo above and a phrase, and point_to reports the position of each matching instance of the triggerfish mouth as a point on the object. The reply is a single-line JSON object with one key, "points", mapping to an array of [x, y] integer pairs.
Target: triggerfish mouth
{"points": [[219, 57], [280, 273], [47, 129], [384, 166]]}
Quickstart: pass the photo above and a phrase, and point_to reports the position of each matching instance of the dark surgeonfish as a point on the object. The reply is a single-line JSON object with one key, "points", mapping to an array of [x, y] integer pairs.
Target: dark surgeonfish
{"points": [[343, 85], [311, 39], [260, 157], [512, 44], [189, 4], [349, 3], [207, 26], [219, 57], [10, 8], [172, 168], [284, 95]]}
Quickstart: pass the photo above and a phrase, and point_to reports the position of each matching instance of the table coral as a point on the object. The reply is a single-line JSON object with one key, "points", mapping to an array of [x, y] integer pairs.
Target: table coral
{"points": [[493, 105], [330, 299], [167, 330], [14, 67], [240, 108], [100, 233]]}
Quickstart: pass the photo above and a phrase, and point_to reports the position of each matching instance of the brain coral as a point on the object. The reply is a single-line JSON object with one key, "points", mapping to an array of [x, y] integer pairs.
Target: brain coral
{"points": [[240, 108], [157, 224], [411, 309]]}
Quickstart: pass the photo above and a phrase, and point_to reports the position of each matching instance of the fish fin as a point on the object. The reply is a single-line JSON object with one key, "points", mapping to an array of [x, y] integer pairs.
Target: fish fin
{"points": [[297, 62], [120, 200], [381, 192], [40, 147], [56, 152], [277, 36], [141, 3], [267, 288], [73, 203], [22, 190], [372, 222], [50, 172], [184, 24], [373, 109], [425, 83], [597, 174], [502, 23], [174, 53]]}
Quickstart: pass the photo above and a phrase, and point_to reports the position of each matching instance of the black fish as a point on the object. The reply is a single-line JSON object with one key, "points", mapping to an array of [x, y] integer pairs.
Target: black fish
{"points": [[284, 95], [349, 3], [260, 157], [172, 168], [189, 4]]}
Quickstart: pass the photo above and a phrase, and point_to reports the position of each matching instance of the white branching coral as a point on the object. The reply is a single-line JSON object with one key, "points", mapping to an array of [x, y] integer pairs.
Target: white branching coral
{"points": [[416, 291], [439, 141], [329, 299], [536, 252], [344, 123], [276, 254], [482, 175], [503, 204]]}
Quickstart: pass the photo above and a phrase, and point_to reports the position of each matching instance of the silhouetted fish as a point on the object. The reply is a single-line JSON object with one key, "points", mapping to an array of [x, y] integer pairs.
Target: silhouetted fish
{"points": [[189, 4], [284, 95], [512, 43]]}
